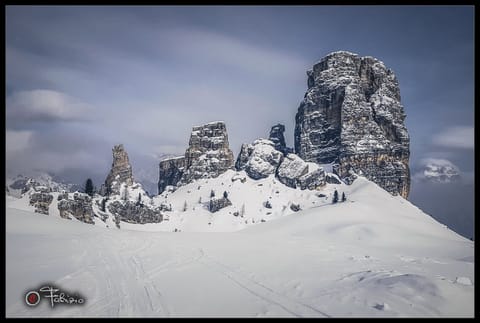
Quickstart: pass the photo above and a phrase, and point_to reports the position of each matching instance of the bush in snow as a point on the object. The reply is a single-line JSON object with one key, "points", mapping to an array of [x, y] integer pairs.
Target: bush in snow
{"points": [[217, 204], [295, 207], [268, 205]]}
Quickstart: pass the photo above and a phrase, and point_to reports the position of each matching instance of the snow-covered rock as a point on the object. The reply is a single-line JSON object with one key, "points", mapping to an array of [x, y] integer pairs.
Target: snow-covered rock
{"points": [[351, 115], [291, 169], [21, 184], [313, 179], [135, 212], [41, 200], [215, 204], [79, 206], [440, 171], [207, 156], [264, 159]]}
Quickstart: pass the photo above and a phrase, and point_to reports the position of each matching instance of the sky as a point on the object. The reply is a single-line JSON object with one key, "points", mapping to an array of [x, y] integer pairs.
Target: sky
{"points": [[82, 79]]}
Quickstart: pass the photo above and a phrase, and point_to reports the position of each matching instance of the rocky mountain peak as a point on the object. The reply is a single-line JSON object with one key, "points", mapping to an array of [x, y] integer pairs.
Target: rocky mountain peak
{"points": [[351, 115], [207, 156], [121, 171], [278, 139]]}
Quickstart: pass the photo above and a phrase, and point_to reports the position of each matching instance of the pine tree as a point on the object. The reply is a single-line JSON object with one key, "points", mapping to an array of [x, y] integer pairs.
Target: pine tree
{"points": [[212, 193], [89, 187], [225, 194], [335, 197], [102, 207], [184, 206], [139, 199], [343, 197], [242, 210]]}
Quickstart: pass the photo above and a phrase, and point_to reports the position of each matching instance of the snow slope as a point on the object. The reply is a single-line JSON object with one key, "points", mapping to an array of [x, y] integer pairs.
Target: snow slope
{"points": [[373, 255]]}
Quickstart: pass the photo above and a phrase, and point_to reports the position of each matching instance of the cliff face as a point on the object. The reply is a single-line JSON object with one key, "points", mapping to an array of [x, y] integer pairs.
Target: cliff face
{"points": [[208, 155], [170, 173], [351, 115]]}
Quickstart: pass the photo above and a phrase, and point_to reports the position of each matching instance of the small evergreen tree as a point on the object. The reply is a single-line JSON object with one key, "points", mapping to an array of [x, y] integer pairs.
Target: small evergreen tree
{"points": [[225, 194], [343, 197], [139, 199], [102, 206], [89, 187], [184, 206], [212, 193], [335, 197], [242, 210]]}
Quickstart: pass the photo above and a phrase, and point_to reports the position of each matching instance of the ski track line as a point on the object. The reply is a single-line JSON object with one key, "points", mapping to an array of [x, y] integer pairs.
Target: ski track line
{"points": [[259, 290], [148, 283]]}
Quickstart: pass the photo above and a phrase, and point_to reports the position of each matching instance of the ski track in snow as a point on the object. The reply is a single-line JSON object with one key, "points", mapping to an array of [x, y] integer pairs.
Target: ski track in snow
{"points": [[263, 292]]}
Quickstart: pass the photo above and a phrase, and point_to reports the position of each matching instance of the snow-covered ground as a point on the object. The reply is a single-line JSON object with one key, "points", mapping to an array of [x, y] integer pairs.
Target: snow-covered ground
{"points": [[373, 255]]}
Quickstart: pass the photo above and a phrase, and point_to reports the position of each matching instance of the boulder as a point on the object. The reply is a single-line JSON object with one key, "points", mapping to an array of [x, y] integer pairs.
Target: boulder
{"points": [[263, 160]]}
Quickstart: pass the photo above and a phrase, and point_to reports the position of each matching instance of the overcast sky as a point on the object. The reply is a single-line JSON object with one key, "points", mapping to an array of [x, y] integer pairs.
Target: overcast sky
{"points": [[81, 79]]}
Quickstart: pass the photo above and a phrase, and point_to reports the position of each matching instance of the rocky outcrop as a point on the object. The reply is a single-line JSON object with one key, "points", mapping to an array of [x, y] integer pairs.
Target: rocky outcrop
{"points": [[332, 179], [295, 172], [291, 169], [132, 212], [352, 115], [207, 156], [312, 180], [440, 171], [121, 171], [217, 204], [41, 200], [243, 157], [276, 136], [260, 159], [22, 184], [80, 207], [171, 171]]}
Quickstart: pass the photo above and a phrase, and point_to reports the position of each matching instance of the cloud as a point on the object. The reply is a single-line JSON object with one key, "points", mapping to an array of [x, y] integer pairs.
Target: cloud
{"points": [[217, 49], [45, 106], [17, 141], [437, 161], [56, 149], [456, 137]]}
